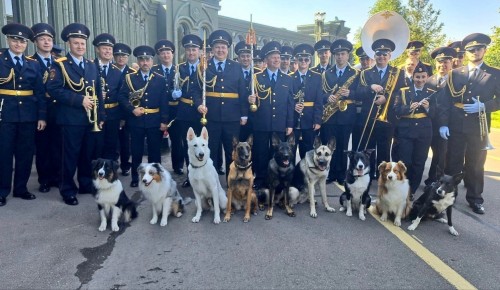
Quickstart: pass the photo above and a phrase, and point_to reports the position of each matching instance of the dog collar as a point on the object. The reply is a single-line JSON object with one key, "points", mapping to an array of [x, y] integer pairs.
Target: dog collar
{"points": [[198, 166], [361, 175], [243, 167]]}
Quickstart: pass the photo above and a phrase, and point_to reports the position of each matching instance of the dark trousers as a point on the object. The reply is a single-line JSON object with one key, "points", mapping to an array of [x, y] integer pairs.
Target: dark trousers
{"points": [[17, 141], [137, 135], [79, 147], [469, 147], [222, 132], [304, 140], [380, 140], [356, 135], [183, 128], [413, 151], [262, 153], [124, 143], [246, 130], [342, 133], [48, 154], [438, 146], [111, 130], [176, 151]]}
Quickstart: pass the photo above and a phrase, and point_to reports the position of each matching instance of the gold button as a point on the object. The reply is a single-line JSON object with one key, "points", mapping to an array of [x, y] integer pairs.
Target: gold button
{"points": [[20, 103], [145, 93], [274, 116], [274, 108], [146, 100], [86, 82], [221, 80], [222, 103], [19, 86], [20, 78], [274, 94], [222, 87]]}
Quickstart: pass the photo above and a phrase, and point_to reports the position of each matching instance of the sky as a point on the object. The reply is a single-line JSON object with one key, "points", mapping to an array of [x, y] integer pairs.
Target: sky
{"points": [[289, 14]]}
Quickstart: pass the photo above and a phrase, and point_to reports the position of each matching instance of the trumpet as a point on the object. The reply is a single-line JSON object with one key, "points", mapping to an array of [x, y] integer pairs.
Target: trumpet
{"points": [[483, 128], [92, 113]]}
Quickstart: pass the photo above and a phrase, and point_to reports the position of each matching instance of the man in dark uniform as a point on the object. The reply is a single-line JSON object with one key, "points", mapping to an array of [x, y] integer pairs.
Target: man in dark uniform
{"points": [[365, 62], [73, 81], [274, 98], [144, 97], [22, 105], [57, 51], [414, 51], [471, 91], [226, 105], [444, 63], [308, 100], [458, 61], [375, 91], [187, 113], [111, 82], [121, 54], [415, 126], [339, 87], [245, 60], [286, 53], [294, 66], [258, 62], [48, 141], [322, 48], [165, 50]]}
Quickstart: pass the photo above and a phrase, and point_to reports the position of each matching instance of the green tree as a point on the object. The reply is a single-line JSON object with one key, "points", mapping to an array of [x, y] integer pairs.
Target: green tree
{"points": [[492, 56]]}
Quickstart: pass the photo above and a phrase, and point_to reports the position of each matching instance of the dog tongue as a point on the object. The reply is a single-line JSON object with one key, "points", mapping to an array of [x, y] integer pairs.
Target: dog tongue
{"points": [[286, 162], [359, 172]]}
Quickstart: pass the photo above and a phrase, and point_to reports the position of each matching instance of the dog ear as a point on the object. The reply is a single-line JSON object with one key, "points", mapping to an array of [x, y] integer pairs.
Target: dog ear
{"points": [[317, 142], [458, 177], [250, 140], [141, 167], [368, 152], [275, 140], [158, 167], [332, 143], [94, 163], [204, 133], [291, 139], [382, 166], [235, 141], [115, 166], [349, 153], [190, 134], [402, 165]]}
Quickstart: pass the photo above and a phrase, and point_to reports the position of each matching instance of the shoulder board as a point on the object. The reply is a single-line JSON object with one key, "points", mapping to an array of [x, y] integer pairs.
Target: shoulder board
{"points": [[405, 88], [61, 59], [90, 60], [315, 72], [158, 74], [114, 66], [259, 72], [132, 70], [181, 63], [29, 57], [431, 90], [426, 63], [291, 73], [155, 66]]}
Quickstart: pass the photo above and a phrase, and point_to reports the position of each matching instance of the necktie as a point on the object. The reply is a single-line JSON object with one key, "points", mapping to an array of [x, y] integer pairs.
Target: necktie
{"points": [[340, 74], [418, 92], [192, 70], [246, 75], [302, 78], [145, 78], [104, 70], [219, 66], [321, 69], [81, 66], [473, 75], [381, 72], [167, 73], [273, 80], [47, 59], [441, 81], [18, 64]]}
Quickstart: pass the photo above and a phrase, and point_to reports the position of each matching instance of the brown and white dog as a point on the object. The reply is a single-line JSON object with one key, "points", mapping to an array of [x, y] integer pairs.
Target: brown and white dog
{"points": [[393, 191]]}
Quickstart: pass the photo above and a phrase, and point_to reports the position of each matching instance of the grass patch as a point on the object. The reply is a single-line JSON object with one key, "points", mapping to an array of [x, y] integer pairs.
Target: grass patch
{"points": [[495, 119]]}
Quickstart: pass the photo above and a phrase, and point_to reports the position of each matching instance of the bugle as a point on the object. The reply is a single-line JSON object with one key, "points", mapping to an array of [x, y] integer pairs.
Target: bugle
{"points": [[483, 128]]}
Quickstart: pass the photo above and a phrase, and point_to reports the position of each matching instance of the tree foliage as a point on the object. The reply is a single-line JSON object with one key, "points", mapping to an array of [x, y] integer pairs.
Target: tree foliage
{"points": [[492, 56]]}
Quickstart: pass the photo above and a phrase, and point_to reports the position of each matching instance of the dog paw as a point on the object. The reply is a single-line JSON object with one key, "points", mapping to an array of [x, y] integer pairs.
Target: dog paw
{"points": [[195, 219], [102, 227], [341, 209], [383, 218], [179, 214], [115, 228], [153, 221], [246, 219], [442, 220], [330, 209], [362, 216], [348, 213], [291, 213], [217, 220], [397, 222], [261, 207], [453, 231], [226, 218], [313, 214], [163, 223], [268, 217], [412, 227]]}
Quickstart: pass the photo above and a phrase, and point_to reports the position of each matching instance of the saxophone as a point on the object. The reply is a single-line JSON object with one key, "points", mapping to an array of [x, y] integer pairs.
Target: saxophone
{"points": [[341, 105]]}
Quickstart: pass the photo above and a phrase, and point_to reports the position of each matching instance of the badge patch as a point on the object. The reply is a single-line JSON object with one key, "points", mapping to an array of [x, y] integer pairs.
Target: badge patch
{"points": [[52, 74]]}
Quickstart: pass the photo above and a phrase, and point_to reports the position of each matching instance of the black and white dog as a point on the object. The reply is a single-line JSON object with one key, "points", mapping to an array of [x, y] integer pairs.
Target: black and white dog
{"points": [[437, 198], [110, 196], [357, 184]]}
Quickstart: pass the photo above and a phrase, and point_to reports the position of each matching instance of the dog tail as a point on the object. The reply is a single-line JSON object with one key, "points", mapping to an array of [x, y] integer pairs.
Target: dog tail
{"points": [[130, 212]]}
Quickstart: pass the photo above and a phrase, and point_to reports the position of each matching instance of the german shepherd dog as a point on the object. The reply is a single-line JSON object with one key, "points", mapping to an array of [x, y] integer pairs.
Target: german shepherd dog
{"points": [[313, 169], [437, 198], [240, 191], [280, 173]]}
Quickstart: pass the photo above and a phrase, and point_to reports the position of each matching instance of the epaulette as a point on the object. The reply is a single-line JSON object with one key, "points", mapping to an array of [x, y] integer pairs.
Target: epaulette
{"points": [[90, 60], [182, 63], [405, 88], [429, 89], [29, 57], [114, 66], [291, 73], [61, 59], [426, 63], [315, 72], [160, 75], [133, 70], [259, 72]]}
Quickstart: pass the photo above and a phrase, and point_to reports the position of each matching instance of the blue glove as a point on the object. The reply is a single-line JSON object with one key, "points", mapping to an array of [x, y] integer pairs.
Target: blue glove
{"points": [[176, 94], [444, 132], [474, 108]]}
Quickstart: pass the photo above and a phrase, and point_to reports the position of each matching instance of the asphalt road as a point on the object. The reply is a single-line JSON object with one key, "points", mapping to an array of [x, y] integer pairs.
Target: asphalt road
{"points": [[47, 244]]}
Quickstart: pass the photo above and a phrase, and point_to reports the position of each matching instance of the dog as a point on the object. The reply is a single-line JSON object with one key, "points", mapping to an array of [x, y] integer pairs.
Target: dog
{"points": [[437, 198], [240, 191], [110, 196], [160, 189], [203, 176], [357, 184], [393, 191], [313, 169]]}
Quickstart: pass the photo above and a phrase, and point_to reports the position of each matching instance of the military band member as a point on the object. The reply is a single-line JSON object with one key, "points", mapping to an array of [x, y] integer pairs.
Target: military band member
{"points": [[48, 141], [74, 81], [365, 62], [165, 50], [409, 67], [294, 66], [57, 51], [144, 97], [414, 51], [443, 57], [308, 100], [121, 54], [322, 49], [458, 61], [413, 107], [339, 87], [286, 54], [471, 90], [258, 62], [245, 60], [187, 113], [375, 89], [111, 82], [22, 112], [274, 92]]}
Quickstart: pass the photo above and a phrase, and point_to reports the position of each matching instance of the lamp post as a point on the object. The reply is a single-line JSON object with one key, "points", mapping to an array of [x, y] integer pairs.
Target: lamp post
{"points": [[319, 21]]}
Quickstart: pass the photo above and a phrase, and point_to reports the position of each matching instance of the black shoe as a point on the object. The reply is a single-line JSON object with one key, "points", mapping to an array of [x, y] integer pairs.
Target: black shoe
{"points": [[221, 171], [186, 183], [72, 200], [3, 201], [54, 184], [477, 208], [126, 172], [179, 171], [25, 195], [134, 184], [44, 187], [329, 180]]}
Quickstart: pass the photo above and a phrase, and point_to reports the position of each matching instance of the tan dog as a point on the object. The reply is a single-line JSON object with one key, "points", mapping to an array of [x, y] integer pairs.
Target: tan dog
{"points": [[240, 180], [393, 191]]}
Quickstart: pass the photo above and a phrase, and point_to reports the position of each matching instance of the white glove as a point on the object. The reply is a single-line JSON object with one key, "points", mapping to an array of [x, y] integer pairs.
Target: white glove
{"points": [[444, 132], [176, 94], [474, 108]]}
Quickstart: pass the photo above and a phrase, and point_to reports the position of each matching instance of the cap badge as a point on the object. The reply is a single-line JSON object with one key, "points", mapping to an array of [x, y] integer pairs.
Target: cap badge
{"points": [[382, 46], [20, 33]]}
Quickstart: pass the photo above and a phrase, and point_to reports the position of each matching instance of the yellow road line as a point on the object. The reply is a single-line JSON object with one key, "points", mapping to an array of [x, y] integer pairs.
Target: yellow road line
{"points": [[423, 253], [492, 157]]}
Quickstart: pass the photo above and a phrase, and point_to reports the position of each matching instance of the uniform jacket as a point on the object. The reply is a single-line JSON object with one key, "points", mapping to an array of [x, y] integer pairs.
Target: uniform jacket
{"points": [[221, 109], [408, 126], [312, 93], [45, 71], [112, 84], [154, 97], [275, 107], [70, 109], [317, 68], [461, 90], [330, 79], [172, 104], [190, 86], [435, 84], [126, 70]]}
